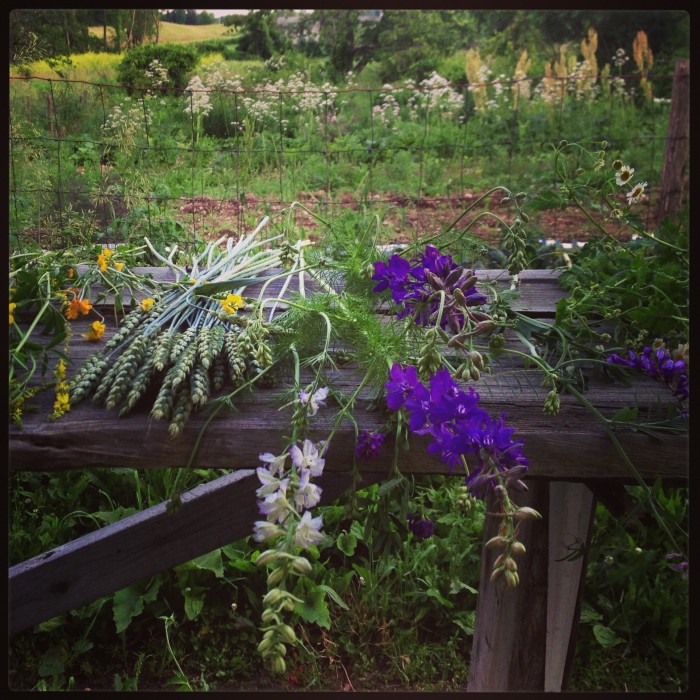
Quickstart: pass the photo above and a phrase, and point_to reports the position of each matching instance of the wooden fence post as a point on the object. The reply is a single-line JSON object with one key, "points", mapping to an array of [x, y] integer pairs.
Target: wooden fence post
{"points": [[676, 153]]}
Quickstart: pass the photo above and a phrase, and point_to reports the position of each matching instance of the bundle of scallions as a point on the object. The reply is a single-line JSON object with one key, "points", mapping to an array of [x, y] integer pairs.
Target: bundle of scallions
{"points": [[191, 336]]}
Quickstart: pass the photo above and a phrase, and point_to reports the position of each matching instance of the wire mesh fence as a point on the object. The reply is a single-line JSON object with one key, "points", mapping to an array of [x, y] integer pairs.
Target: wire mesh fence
{"points": [[108, 163]]}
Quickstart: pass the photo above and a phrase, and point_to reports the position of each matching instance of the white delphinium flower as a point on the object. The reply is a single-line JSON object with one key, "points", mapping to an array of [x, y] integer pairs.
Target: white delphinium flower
{"points": [[308, 531], [270, 484], [307, 495], [314, 400], [264, 530], [276, 464], [307, 458], [276, 506]]}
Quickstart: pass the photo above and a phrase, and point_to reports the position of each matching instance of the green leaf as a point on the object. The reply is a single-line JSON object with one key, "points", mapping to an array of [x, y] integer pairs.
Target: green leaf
{"points": [[357, 530], [390, 485], [456, 586], [336, 598], [606, 637], [128, 602], [193, 604], [53, 661], [211, 562], [346, 543], [314, 608]]}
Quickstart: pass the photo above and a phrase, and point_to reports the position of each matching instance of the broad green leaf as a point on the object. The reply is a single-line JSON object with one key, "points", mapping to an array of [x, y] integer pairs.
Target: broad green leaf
{"points": [[314, 608], [606, 637], [193, 605], [211, 562], [346, 543], [53, 661]]}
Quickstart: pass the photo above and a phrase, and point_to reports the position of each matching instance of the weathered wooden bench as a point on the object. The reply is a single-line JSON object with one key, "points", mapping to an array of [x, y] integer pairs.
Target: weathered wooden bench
{"points": [[524, 638]]}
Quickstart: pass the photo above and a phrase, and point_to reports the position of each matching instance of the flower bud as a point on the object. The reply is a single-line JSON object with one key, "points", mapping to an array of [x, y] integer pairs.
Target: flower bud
{"points": [[474, 374], [496, 574], [511, 579], [286, 633], [275, 577], [277, 665], [495, 542], [301, 566], [518, 548], [267, 556], [526, 513], [271, 597]]}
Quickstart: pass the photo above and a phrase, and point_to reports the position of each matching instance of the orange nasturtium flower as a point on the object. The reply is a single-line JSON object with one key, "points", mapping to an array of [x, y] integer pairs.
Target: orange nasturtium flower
{"points": [[146, 304], [71, 273], [12, 313], [77, 307], [95, 332]]}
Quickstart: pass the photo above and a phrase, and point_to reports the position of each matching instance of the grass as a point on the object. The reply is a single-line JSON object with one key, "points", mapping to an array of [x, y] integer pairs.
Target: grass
{"points": [[174, 33]]}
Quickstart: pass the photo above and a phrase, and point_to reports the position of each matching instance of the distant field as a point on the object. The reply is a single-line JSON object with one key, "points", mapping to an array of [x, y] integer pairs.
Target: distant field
{"points": [[171, 32]]}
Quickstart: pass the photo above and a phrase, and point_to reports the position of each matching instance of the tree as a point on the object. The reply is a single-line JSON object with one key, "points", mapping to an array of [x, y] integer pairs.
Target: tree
{"points": [[191, 17], [348, 43], [411, 43], [205, 17], [260, 35], [36, 34]]}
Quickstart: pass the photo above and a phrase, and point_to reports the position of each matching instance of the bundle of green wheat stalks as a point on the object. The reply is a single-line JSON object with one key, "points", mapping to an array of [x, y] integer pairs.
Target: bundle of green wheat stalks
{"points": [[191, 336]]}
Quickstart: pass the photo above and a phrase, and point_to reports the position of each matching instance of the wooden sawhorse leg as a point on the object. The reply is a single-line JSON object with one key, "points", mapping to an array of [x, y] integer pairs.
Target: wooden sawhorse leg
{"points": [[524, 637]]}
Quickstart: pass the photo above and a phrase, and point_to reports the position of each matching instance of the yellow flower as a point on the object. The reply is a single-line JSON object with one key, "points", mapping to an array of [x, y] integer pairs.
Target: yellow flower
{"points": [[102, 262], [146, 304], [61, 405], [231, 303], [107, 252], [95, 332], [12, 313], [60, 371], [119, 266]]}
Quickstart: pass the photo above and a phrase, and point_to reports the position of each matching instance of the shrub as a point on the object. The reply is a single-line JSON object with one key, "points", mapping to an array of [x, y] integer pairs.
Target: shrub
{"points": [[179, 60]]}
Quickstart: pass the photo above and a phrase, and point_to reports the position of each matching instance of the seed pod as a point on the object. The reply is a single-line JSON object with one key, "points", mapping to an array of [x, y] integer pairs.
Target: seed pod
{"points": [[163, 405], [184, 364], [200, 385], [162, 351], [181, 412], [129, 363], [277, 665], [139, 385], [219, 372]]}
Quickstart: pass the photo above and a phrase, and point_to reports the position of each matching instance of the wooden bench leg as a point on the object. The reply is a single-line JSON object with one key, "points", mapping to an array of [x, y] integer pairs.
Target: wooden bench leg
{"points": [[524, 637], [571, 511], [509, 636]]}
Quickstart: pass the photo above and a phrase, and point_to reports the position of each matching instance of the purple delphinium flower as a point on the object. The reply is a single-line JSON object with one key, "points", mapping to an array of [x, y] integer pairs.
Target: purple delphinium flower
{"points": [[657, 364], [421, 527], [368, 444], [401, 384], [418, 285], [460, 428]]}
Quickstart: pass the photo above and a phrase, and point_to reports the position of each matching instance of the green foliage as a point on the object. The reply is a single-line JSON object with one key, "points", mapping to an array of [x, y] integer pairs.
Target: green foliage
{"points": [[259, 35], [179, 60]]}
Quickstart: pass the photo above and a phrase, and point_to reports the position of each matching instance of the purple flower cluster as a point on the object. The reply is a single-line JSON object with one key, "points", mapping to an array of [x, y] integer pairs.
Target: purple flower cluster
{"points": [[660, 365], [416, 285], [421, 527], [458, 426], [368, 444]]}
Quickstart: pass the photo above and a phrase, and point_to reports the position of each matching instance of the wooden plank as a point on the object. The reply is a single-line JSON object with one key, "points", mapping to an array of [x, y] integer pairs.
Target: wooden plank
{"points": [[508, 653], [571, 510], [211, 516]]}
